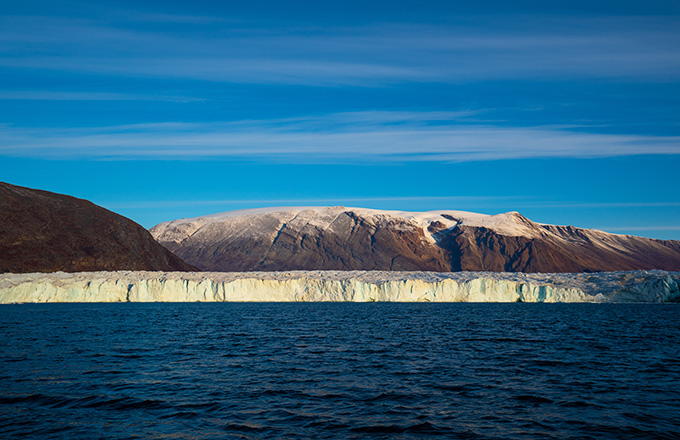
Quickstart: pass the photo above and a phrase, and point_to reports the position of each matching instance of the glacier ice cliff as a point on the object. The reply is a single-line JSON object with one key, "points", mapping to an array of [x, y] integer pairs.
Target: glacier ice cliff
{"points": [[358, 286]]}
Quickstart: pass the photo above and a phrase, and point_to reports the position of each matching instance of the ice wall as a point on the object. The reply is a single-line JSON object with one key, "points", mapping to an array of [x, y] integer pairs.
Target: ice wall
{"points": [[638, 286]]}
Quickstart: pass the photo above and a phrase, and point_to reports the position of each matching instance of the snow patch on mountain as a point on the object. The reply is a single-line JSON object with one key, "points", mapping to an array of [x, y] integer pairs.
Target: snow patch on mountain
{"points": [[511, 223]]}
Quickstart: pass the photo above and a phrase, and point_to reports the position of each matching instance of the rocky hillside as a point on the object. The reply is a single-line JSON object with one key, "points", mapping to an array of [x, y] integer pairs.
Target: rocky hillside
{"points": [[45, 232], [339, 238]]}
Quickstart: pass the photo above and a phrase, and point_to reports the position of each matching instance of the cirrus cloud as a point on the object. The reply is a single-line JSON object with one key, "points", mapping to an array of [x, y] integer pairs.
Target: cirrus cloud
{"points": [[373, 136]]}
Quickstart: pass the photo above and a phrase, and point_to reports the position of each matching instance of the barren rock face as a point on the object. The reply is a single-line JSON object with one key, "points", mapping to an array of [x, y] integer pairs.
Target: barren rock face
{"points": [[339, 238], [46, 232]]}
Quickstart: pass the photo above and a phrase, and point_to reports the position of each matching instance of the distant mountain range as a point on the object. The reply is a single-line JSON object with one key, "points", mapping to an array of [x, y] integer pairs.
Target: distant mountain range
{"points": [[42, 231], [339, 238]]}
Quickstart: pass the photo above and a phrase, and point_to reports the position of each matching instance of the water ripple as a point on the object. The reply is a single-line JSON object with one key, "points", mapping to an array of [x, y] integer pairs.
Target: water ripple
{"points": [[350, 371]]}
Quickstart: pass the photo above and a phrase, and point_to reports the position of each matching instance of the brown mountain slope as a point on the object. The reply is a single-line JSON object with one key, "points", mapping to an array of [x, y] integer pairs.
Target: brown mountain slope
{"points": [[337, 241], [341, 238], [42, 231], [558, 249]]}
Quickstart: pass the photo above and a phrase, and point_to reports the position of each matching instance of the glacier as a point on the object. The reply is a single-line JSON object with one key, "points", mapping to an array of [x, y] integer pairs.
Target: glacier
{"points": [[355, 286]]}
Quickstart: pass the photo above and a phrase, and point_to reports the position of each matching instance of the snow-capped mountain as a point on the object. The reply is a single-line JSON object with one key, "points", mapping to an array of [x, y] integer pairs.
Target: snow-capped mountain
{"points": [[339, 238]]}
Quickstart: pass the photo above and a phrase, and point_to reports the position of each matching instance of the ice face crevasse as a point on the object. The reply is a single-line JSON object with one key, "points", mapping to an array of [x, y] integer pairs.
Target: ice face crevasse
{"points": [[356, 286]]}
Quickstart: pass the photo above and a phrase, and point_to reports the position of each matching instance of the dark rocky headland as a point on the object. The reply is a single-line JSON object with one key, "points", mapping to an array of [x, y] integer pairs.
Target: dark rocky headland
{"points": [[42, 231]]}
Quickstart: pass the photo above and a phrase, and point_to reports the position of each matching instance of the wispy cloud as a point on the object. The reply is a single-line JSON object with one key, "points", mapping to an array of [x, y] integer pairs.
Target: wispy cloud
{"points": [[533, 48], [604, 205], [46, 95], [302, 201], [639, 228], [386, 136], [155, 17]]}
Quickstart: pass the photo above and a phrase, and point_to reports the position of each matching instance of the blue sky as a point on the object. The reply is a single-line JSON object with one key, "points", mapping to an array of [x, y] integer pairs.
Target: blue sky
{"points": [[568, 112]]}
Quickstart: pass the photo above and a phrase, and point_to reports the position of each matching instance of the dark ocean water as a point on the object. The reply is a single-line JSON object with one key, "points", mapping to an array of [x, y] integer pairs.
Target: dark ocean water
{"points": [[338, 370]]}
